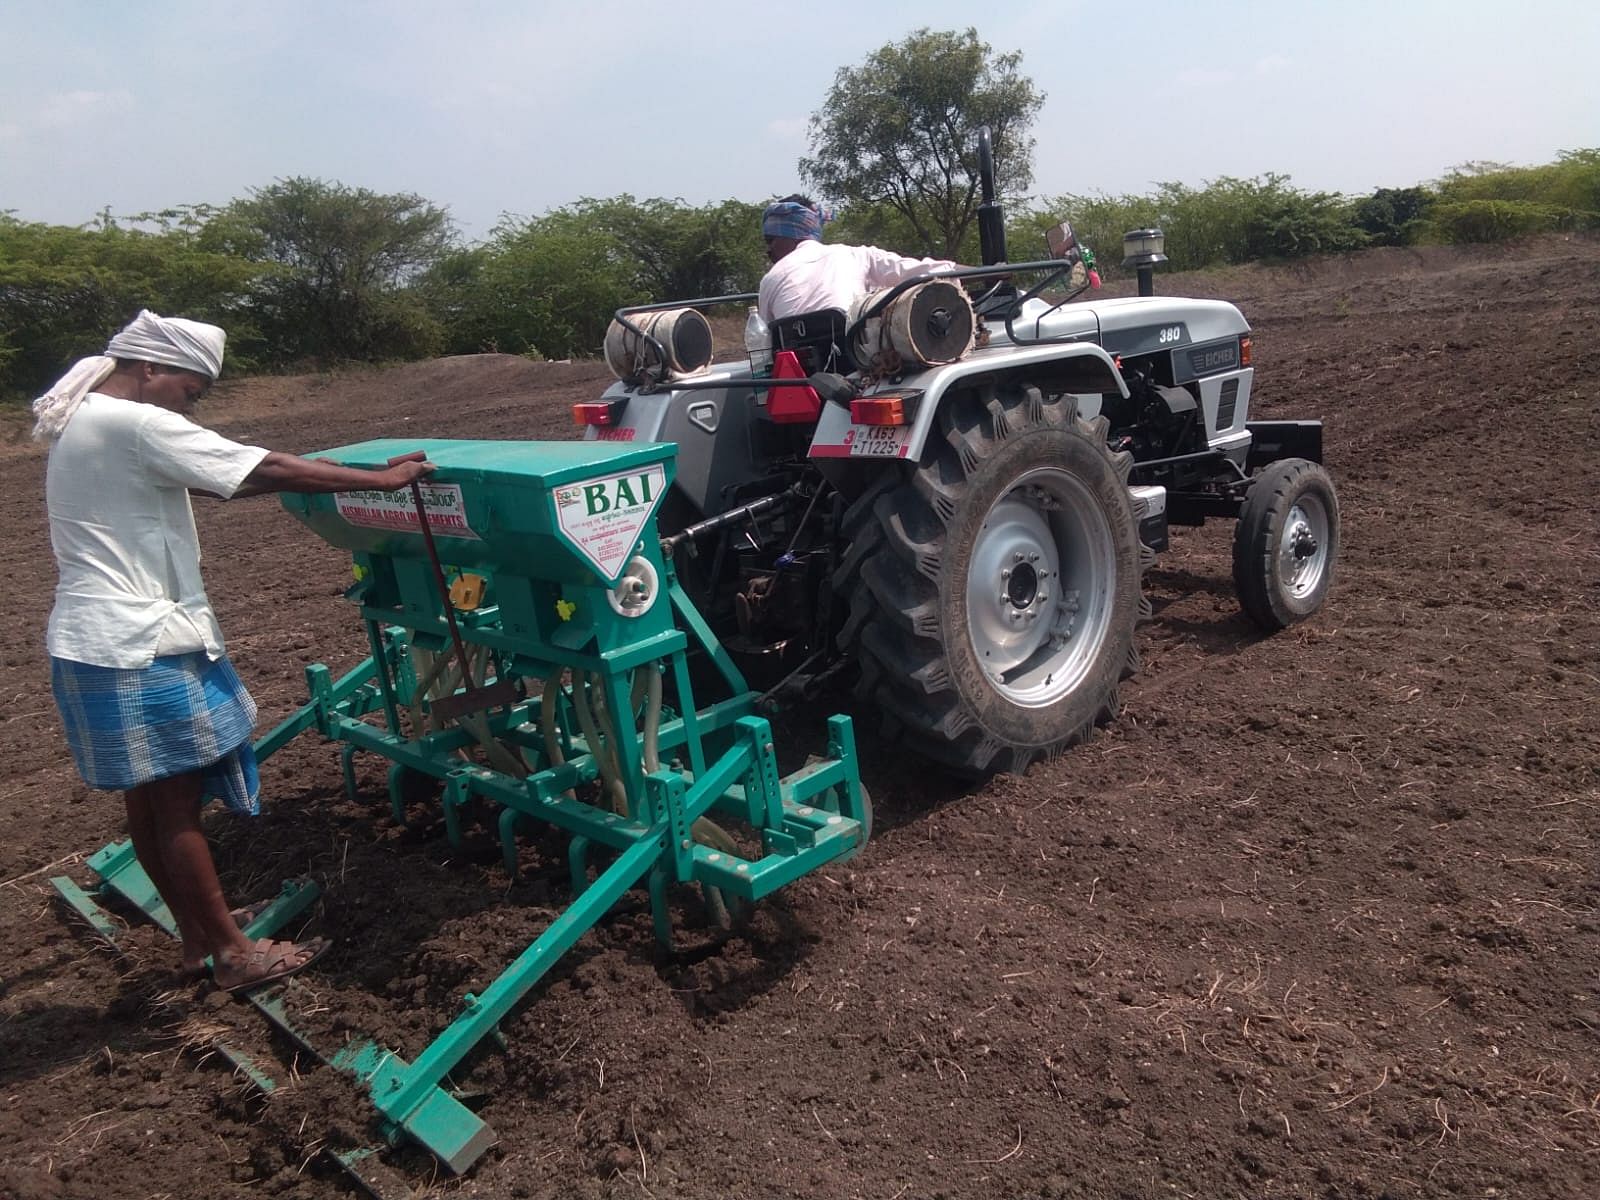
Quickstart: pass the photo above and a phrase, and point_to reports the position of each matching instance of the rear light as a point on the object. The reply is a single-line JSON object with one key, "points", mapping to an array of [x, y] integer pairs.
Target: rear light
{"points": [[1244, 352], [598, 412], [877, 410]]}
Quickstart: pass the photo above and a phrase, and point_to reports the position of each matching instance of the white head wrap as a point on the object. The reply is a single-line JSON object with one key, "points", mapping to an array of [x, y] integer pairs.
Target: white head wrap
{"points": [[170, 341]]}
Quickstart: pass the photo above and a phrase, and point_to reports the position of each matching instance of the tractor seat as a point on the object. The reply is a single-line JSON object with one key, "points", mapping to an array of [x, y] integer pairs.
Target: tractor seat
{"points": [[818, 340]]}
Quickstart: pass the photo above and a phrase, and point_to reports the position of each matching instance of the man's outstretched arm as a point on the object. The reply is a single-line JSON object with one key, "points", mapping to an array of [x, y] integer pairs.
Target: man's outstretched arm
{"points": [[884, 268], [280, 472]]}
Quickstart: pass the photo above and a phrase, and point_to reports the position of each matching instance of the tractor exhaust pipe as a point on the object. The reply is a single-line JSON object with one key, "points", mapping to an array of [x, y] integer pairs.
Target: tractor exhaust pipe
{"points": [[991, 217]]}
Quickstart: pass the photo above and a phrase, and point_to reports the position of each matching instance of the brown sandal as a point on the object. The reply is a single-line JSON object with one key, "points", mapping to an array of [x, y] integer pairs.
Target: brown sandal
{"points": [[243, 918], [270, 960]]}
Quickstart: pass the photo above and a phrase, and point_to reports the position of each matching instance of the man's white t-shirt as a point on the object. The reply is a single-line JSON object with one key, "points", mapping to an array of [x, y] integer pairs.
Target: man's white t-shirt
{"points": [[117, 491], [815, 276]]}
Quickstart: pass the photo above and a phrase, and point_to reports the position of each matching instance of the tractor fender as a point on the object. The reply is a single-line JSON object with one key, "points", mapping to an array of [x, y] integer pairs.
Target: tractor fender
{"points": [[1081, 368]]}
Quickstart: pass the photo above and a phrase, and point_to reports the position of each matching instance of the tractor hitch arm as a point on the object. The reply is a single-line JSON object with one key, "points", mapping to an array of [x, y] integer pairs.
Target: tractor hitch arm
{"points": [[777, 502]]}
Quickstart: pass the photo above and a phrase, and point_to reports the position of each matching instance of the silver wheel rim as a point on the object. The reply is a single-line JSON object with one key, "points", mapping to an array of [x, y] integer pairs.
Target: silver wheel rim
{"points": [[1303, 547], [1040, 587]]}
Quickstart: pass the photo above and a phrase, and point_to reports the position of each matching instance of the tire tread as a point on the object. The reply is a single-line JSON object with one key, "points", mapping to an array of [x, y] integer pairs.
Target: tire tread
{"points": [[896, 533]]}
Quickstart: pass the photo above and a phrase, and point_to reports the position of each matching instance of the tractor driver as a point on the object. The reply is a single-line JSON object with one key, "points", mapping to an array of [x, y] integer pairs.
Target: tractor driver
{"points": [[806, 275], [151, 705]]}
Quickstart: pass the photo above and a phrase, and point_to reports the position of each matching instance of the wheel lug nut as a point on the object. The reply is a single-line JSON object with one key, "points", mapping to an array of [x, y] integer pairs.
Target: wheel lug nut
{"points": [[1018, 556], [1005, 573]]}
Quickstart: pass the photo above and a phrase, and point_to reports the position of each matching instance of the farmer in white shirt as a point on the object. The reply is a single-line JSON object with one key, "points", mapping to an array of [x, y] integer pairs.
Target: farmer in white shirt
{"points": [[806, 275], [151, 705]]}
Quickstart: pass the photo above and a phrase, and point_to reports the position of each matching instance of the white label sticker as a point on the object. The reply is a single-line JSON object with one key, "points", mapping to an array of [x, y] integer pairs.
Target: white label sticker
{"points": [[602, 517], [447, 513]]}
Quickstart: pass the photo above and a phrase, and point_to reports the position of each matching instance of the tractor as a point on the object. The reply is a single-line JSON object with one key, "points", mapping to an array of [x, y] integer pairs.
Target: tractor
{"points": [[952, 491]]}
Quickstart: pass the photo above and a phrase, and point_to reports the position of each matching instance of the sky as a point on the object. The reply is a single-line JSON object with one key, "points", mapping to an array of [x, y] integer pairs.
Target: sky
{"points": [[489, 107]]}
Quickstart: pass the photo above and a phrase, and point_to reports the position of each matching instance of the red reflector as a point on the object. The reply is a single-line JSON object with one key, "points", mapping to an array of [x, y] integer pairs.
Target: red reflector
{"points": [[791, 405], [1244, 352], [877, 410], [786, 365], [595, 413]]}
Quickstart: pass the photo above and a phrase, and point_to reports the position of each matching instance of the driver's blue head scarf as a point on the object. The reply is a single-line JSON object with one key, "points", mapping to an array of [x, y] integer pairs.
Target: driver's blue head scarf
{"points": [[791, 219]]}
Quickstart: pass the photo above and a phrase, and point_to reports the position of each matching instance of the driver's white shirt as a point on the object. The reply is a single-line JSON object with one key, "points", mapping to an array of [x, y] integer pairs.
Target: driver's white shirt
{"points": [[815, 276]]}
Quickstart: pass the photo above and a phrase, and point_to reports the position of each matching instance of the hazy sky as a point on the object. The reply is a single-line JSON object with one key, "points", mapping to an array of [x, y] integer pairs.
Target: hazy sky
{"points": [[488, 106]]}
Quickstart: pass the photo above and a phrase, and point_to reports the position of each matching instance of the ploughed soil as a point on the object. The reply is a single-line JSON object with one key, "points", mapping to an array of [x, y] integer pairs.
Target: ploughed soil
{"points": [[1316, 916]]}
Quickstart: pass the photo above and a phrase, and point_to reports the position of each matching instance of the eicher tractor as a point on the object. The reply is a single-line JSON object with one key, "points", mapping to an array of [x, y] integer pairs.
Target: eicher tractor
{"points": [[953, 489], [952, 496]]}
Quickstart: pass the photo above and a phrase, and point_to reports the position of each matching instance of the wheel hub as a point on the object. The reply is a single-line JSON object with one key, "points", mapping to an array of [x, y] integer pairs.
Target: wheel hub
{"points": [[1302, 548], [1039, 587], [1023, 585], [1008, 585]]}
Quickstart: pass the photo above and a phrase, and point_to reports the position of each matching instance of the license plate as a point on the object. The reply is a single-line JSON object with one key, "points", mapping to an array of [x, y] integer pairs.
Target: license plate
{"points": [[878, 441]]}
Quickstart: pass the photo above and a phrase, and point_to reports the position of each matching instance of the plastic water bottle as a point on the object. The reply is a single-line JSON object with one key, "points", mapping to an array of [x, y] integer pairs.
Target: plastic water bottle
{"points": [[758, 343]]}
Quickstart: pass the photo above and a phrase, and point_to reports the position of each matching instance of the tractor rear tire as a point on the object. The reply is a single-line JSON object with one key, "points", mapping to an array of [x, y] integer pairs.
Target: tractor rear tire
{"points": [[994, 589], [1285, 543]]}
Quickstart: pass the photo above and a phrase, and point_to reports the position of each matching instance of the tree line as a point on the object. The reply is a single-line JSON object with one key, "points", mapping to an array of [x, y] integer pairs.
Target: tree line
{"points": [[309, 272], [306, 272], [1268, 219]]}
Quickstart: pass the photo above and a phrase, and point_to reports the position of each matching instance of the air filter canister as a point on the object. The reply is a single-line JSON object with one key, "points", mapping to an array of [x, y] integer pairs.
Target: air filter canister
{"points": [[927, 325], [684, 333]]}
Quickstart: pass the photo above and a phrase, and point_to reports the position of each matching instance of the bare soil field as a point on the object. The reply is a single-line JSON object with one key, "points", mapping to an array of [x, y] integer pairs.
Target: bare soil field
{"points": [[1317, 916]]}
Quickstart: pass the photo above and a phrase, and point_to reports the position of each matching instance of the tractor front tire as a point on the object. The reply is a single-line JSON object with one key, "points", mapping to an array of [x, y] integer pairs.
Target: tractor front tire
{"points": [[994, 590], [1285, 543]]}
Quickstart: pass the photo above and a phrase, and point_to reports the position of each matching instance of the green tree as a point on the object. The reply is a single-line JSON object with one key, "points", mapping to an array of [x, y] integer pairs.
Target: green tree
{"points": [[546, 286], [449, 290], [1295, 224], [1495, 220], [1571, 182], [900, 129], [65, 290], [342, 261], [1227, 221], [883, 225], [1391, 216], [1485, 202], [550, 285], [681, 251]]}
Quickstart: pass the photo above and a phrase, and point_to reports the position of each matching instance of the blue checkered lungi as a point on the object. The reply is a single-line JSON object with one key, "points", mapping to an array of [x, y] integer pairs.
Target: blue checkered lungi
{"points": [[182, 713]]}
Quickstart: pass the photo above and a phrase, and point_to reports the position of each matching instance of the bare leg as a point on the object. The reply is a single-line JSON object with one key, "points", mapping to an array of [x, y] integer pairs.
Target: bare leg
{"points": [[142, 829], [191, 876], [186, 858]]}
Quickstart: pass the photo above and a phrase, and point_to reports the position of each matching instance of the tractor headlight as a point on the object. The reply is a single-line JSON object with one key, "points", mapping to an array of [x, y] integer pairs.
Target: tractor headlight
{"points": [[1144, 248]]}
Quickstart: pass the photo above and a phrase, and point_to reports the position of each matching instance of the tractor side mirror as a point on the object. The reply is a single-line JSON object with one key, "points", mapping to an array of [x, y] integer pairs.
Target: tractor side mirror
{"points": [[1061, 240]]}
